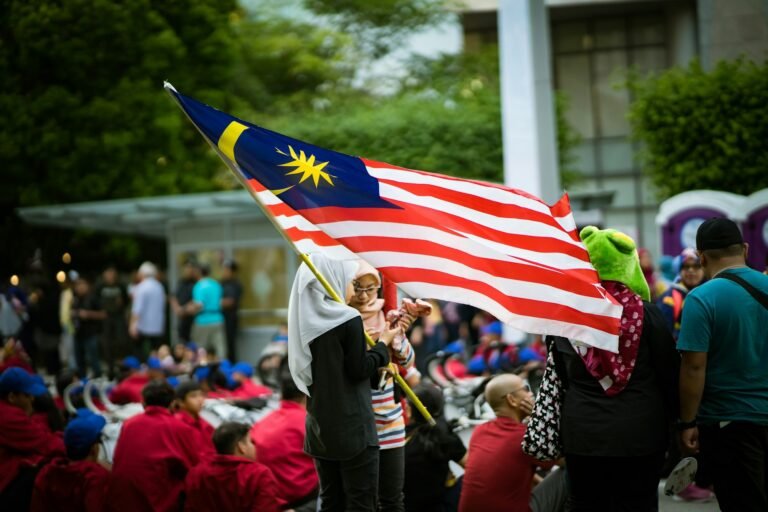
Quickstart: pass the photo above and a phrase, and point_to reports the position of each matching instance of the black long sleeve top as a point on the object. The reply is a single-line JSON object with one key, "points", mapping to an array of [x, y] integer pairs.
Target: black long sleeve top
{"points": [[340, 422]]}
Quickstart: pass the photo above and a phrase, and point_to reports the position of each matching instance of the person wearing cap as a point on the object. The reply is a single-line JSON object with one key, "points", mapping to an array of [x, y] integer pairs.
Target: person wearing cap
{"points": [[690, 275], [724, 372], [24, 442], [76, 482], [233, 479], [242, 375], [128, 390], [189, 403], [147, 325], [279, 440], [153, 455], [232, 291]]}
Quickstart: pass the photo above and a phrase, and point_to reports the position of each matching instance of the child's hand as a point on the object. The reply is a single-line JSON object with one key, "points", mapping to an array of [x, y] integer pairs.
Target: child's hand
{"points": [[388, 336]]}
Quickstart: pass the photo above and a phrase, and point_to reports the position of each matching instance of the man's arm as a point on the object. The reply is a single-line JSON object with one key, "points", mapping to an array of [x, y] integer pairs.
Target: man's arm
{"points": [[692, 376]]}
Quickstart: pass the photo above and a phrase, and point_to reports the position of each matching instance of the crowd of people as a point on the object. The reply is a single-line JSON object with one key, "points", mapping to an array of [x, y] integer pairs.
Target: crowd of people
{"points": [[690, 378], [86, 324]]}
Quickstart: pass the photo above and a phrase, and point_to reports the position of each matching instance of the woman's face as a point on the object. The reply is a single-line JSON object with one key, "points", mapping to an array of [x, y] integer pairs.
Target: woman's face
{"points": [[691, 273], [364, 290]]}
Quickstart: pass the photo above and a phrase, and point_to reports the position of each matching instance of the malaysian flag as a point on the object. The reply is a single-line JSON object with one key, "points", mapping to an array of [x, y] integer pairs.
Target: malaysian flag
{"points": [[496, 248]]}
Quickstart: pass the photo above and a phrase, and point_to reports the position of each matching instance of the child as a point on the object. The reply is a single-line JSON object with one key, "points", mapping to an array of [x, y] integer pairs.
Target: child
{"points": [[153, 455], [232, 480], [76, 482], [189, 403], [24, 441], [242, 374], [427, 453]]}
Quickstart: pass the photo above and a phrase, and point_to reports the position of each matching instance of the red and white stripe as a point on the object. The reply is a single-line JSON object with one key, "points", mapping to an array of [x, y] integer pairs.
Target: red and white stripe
{"points": [[477, 243]]}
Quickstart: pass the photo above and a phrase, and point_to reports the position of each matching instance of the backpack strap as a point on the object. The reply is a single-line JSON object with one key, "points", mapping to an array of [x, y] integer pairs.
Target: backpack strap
{"points": [[759, 296]]}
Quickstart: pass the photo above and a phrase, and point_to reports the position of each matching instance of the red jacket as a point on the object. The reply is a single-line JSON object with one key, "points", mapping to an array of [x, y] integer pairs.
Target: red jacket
{"points": [[23, 441], [153, 455], [70, 486], [233, 484], [249, 389], [204, 431], [279, 440], [129, 390]]}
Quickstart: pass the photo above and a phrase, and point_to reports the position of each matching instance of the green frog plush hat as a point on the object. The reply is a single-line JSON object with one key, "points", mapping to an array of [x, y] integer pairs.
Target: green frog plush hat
{"points": [[614, 256]]}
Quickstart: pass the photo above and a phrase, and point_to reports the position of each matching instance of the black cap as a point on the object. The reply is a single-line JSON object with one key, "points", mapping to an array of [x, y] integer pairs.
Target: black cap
{"points": [[718, 233]]}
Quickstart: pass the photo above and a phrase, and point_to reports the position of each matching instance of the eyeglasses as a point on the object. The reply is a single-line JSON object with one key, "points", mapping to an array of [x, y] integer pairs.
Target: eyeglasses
{"points": [[367, 291]]}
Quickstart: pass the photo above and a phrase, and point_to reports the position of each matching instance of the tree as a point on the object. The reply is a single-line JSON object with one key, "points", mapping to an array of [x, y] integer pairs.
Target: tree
{"points": [[446, 118], [704, 130]]}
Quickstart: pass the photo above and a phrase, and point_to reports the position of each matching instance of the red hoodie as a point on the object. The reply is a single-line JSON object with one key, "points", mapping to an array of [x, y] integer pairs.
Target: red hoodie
{"points": [[204, 431], [231, 483], [23, 441], [70, 486], [152, 457], [129, 390]]}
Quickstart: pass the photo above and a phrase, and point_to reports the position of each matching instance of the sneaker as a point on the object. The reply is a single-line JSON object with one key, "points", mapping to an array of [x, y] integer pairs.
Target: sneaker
{"points": [[695, 494], [681, 477]]}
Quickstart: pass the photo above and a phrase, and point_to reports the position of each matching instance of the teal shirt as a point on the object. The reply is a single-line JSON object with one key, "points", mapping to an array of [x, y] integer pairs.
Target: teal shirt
{"points": [[721, 318], [208, 292]]}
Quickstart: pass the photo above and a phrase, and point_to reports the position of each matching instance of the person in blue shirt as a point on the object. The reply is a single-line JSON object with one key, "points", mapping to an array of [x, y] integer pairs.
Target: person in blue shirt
{"points": [[208, 326], [724, 371]]}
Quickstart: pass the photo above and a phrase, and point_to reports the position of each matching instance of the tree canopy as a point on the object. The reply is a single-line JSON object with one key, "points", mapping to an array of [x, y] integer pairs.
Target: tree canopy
{"points": [[704, 130]]}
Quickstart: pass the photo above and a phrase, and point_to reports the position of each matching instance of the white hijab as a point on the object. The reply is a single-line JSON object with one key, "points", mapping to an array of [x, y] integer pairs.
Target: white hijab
{"points": [[312, 312]]}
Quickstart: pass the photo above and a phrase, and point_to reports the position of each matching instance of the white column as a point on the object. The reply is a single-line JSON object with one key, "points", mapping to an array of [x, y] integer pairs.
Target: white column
{"points": [[527, 108]]}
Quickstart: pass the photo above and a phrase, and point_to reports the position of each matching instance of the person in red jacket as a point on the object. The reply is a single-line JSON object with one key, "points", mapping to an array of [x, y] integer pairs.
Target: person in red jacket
{"points": [[129, 389], [152, 457], [24, 442], [232, 480], [242, 373], [76, 482], [279, 441], [189, 403]]}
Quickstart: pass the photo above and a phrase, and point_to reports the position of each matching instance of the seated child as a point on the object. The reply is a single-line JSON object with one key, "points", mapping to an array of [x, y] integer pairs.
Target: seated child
{"points": [[232, 480], [76, 482], [189, 403]]}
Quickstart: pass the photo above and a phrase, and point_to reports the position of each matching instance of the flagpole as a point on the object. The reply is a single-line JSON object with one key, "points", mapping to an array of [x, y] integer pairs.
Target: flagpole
{"points": [[398, 378], [232, 167]]}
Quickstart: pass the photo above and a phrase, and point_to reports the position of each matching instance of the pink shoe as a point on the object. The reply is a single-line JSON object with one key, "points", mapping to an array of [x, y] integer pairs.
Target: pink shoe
{"points": [[695, 494]]}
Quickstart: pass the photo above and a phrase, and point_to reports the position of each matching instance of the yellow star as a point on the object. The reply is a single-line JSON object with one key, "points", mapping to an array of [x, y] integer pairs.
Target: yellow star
{"points": [[306, 167]]}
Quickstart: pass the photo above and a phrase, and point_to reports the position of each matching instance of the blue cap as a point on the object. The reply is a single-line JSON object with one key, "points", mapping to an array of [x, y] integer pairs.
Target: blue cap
{"points": [[202, 372], [244, 368], [173, 381], [527, 355], [492, 328], [280, 338], [82, 432], [132, 363], [191, 346], [18, 380], [153, 363]]}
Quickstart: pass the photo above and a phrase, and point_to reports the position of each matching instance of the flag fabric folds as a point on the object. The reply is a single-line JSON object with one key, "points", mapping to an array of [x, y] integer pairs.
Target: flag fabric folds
{"points": [[496, 248]]}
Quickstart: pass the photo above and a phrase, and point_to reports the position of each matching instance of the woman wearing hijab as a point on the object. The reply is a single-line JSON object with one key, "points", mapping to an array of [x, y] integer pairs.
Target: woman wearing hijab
{"points": [[388, 412], [618, 407], [329, 362]]}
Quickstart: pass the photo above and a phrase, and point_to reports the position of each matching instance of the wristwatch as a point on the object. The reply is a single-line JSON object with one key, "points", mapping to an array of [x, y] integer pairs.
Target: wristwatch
{"points": [[685, 425]]}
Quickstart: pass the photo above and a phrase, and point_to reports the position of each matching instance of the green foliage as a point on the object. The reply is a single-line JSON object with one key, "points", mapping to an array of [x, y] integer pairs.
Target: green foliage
{"points": [[704, 130], [380, 26], [81, 80]]}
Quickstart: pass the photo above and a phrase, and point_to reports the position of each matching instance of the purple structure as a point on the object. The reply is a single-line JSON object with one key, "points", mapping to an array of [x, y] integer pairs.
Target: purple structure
{"points": [[681, 215], [755, 228]]}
